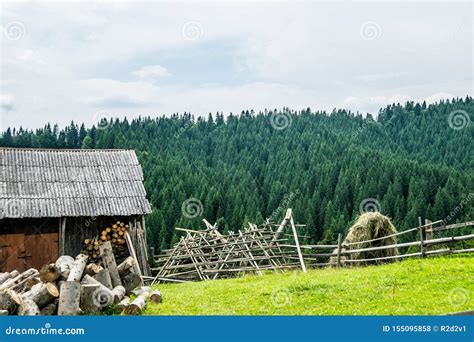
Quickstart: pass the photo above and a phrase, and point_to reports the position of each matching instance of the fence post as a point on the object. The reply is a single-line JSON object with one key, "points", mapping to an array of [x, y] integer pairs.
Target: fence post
{"points": [[428, 230], [339, 249], [152, 252], [422, 237]]}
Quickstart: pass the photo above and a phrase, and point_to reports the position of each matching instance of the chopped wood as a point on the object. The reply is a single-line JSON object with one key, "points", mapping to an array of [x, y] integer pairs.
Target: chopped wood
{"points": [[9, 300], [109, 261], [156, 297], [126, 266], [49, 273], [3, 312], [118, 293], [137, 306], [103, 296], [142, 290], [42, 294], [92, 269], [4, 277], [51, 309], [64, 265], [103, 277], [69, 299], [133, 254], [27, 283], [77, 269], [28, 308], [122, 305], [89, 301], [18, 280], [131, 281]]}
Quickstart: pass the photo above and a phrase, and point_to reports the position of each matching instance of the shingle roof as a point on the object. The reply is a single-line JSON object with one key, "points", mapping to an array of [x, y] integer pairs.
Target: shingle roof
{"points": [[58, 183]]}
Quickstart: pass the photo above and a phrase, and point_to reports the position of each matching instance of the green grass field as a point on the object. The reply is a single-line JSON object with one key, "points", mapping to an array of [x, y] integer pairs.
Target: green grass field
{"points": [[423, 287]]}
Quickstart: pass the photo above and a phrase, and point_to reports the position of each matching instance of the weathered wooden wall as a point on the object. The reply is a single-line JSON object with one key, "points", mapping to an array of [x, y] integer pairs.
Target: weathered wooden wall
{"points": [[26, 243]]}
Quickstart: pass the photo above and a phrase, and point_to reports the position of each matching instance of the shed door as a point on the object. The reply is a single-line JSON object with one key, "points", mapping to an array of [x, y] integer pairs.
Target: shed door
{"points": [[42, 249], [11, 247], [23, 251]]}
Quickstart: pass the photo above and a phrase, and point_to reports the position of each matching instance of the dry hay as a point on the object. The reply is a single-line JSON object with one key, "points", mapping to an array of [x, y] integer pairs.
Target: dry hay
{"points": [[369, 226]]}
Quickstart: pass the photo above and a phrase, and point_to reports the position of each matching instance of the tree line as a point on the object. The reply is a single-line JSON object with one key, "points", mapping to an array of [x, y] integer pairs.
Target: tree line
{"points": [[412, 160]]}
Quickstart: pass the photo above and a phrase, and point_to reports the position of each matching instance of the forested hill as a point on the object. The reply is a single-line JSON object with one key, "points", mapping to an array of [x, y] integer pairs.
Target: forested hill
{"points": [[413, 160]]}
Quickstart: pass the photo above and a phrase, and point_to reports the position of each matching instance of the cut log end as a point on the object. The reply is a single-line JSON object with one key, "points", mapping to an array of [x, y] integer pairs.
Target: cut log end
{"points": [[49, 273], [156, 297]]}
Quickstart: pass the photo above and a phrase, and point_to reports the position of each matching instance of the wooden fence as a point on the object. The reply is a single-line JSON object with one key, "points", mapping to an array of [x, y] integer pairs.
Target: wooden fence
{"points": [[342, 251], [207, 254]]}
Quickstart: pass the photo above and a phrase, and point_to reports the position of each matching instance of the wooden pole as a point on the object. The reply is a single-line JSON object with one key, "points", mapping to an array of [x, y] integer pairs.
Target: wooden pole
{"points": [[62, 236], [297, 243], [282, 225], [131, 249], [422, 238], [428, 230], [339, 249]]}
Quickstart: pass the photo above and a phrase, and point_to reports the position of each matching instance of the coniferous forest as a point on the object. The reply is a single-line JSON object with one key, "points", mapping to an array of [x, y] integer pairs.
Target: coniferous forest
{"points": [[411, 160]]}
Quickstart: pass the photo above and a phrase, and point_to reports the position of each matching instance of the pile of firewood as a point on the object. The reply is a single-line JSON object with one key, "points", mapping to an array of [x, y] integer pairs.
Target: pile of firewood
{"points": [[116, 234], [74, 286]]}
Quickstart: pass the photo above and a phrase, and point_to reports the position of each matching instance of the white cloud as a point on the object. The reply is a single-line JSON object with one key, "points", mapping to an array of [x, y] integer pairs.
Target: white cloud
{"points": [[152, 72], [440, 96], [376, 100], [76, 59], [113, 93], [373, 103], [6, 103]]}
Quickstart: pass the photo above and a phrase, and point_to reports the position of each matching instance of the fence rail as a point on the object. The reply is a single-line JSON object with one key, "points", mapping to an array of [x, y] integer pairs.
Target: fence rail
{"points": [[426, 240], [207, 254]]}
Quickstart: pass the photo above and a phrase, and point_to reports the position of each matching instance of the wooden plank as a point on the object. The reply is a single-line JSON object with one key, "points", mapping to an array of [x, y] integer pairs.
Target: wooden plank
{"points": [[297, 243], [414, 243], [128, 240]]}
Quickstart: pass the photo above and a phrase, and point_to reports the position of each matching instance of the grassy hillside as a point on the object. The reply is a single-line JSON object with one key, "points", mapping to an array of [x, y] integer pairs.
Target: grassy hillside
{"points": [[431, 286]]}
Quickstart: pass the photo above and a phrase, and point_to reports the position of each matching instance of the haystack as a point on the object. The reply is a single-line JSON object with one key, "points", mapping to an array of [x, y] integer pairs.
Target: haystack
{"points": [[370, 226]]}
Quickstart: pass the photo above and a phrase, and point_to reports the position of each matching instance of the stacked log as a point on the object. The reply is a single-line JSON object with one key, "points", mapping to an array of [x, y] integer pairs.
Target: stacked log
{"points": [[115, 234], [76, 286]]}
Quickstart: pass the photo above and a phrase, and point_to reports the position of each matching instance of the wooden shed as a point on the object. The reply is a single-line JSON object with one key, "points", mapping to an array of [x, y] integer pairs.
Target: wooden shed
{"points": [[52, 200]]}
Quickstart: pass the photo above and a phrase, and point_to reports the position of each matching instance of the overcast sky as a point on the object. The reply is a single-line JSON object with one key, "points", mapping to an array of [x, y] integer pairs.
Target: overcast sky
{"points": [[78, 61]]}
